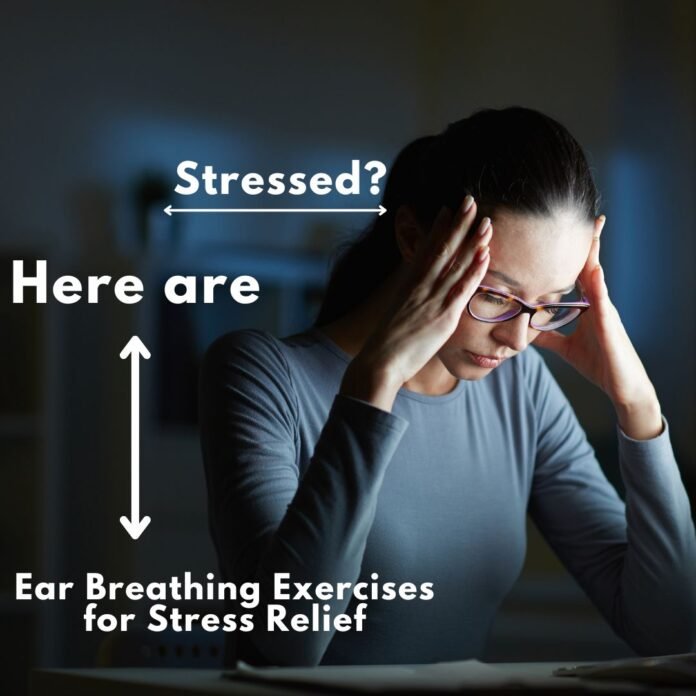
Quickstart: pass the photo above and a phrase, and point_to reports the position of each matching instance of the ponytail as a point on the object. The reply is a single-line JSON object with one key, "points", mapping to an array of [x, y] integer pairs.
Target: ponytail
{"points": [[514, 158]]}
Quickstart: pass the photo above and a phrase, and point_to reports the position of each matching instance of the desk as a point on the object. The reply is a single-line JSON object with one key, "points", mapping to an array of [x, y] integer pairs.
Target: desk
{"points": [[189, 682], [142, 681]]}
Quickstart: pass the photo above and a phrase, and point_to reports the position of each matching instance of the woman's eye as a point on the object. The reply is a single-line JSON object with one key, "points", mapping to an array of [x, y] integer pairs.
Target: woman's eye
{"points": [[493, 299], [552, 311]]}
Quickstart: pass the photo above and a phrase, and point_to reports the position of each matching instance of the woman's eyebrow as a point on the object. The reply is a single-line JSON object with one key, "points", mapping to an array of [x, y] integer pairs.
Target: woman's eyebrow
{"points": [[516, 286]]}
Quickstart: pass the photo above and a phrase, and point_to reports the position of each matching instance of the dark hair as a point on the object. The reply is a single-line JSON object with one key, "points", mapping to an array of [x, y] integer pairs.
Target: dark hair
{"points": [[515, 158]]}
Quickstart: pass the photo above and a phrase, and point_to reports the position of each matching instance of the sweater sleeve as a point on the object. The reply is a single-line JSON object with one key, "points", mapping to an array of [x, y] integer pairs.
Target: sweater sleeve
{"points": [[265, 517], [636, 561]]}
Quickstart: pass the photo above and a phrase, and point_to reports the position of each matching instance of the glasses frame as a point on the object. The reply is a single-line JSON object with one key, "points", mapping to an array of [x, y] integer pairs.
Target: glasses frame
{"points": [[526, 308]]}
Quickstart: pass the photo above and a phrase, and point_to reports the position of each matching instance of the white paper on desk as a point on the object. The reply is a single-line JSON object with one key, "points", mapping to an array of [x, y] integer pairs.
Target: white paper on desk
{"points": [[442, 676]]}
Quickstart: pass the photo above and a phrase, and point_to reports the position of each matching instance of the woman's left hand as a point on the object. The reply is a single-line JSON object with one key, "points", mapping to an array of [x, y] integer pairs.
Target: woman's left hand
{"points": [[601, 350]]}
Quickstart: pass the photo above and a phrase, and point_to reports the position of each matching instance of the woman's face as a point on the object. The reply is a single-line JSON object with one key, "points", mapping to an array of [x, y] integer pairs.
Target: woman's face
{"points": [[531, 257]]}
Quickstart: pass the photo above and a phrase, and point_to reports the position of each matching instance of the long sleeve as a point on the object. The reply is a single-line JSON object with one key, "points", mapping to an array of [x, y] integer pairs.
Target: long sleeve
{"points": [[266, 516], [636, 561]]}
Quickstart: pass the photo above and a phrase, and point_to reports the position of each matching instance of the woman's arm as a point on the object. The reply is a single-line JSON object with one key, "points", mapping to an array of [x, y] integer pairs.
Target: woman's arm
{"points": [[638, 566], [601, 350], [637, 562], [267, 517]]}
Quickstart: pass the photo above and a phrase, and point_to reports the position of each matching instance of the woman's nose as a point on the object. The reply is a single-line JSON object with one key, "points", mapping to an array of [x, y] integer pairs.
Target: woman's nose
{"points": [[515, 333]]}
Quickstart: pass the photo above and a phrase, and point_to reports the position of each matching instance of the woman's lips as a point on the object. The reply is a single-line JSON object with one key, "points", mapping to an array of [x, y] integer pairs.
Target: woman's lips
{"points": [[484, 361]]}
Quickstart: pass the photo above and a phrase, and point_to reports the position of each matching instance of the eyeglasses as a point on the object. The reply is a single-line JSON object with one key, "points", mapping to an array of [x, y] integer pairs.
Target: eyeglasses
{"points": [[492, 306]]}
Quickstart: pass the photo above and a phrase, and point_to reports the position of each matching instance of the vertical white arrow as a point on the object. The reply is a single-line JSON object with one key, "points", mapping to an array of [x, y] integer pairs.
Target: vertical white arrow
{"points": [[134, 349]]}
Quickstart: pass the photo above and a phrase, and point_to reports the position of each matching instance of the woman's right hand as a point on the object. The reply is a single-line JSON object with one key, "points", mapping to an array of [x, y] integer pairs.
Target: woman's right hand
{"points": [[427, 307]]}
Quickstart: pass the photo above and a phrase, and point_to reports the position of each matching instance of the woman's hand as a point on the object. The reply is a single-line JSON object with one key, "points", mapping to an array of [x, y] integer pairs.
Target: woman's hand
{"points": [[428, 304], [601, 350]]}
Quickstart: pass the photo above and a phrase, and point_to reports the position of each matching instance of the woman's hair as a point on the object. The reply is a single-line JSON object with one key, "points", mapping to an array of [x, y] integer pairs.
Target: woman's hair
{"points": [[515, 159]]}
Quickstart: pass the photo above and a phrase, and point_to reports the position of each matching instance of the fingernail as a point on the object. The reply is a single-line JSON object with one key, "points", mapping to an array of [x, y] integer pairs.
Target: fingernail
{"points": [[468, 202], [485, 224]]}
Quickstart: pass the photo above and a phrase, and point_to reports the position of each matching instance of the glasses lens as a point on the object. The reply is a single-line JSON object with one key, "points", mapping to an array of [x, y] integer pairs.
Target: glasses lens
{"points": [[489, 306], [552, 317]]}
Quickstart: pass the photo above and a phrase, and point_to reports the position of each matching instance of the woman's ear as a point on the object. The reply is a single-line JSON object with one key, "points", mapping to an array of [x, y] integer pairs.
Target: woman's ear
{"points": [[410, 236]]}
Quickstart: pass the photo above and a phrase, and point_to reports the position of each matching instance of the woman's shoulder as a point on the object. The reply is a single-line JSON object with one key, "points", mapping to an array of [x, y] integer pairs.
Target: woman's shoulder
{"points": [[247, 354], [285, 371], [260, 344], [302, 356], [243, 375], [239, 344]]}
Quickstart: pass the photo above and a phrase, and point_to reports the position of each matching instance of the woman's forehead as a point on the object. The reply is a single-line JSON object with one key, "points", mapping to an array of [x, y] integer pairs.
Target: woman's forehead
{"points": [[537, 255]]}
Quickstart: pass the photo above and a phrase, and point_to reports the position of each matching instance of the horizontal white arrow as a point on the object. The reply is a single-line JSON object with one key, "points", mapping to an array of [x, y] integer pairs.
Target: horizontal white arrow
{"points": [[135, 349], [381, 210]]}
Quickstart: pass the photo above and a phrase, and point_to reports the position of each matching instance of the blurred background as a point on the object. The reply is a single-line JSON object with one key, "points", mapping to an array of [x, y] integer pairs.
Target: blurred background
{"points": [[103, 100]]}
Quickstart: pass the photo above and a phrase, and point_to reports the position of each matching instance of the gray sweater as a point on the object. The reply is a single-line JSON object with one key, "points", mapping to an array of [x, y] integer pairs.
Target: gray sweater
{"points": [[330, 488]]}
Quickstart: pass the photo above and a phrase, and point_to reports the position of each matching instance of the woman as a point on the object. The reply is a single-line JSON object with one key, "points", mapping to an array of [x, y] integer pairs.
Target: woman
{"points": [[406, 435]]}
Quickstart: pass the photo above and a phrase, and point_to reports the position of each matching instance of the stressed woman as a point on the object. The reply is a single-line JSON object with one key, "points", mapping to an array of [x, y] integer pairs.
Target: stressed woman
{"points": [[405, 436]]}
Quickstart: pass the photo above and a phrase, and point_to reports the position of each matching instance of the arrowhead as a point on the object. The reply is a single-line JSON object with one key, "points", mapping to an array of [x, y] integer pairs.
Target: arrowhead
{"points": [[135, 527], [168, 210], [382, 210], [135, 345]]}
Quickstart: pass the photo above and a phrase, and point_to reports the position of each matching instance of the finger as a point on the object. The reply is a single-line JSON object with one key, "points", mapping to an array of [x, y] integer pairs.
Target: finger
{"points": [[470, 253], [592, 260], [600, 291], [599, 225], [594, 285], [466, 284], [447, 237], [606, 317]]}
